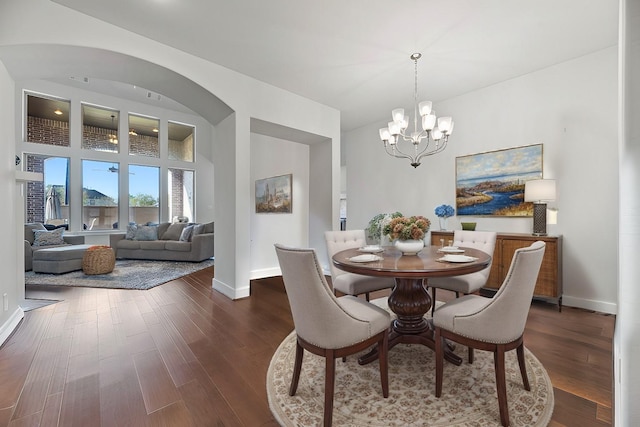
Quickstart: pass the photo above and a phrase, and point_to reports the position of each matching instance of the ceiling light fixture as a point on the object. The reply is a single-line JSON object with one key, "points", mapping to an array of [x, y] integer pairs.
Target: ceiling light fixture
{"points": [[133, 132], [57, 111], [397, 128], [155, 130]]}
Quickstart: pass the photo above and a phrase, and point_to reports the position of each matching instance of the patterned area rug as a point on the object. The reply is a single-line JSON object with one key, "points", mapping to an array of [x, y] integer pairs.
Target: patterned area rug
{"points": [[468, 395], [128, 274]]}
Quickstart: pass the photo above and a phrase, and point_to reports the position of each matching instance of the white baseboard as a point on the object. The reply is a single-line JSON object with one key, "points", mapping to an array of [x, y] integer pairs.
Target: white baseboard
{"points": [[8, 327], [265, 272], [587, 304], [229, 291]]}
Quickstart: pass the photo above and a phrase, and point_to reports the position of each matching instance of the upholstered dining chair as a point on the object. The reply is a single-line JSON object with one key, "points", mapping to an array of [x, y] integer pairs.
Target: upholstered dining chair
{"points": [[328, 326], [351, 283], [467, 283], [492, 324]]}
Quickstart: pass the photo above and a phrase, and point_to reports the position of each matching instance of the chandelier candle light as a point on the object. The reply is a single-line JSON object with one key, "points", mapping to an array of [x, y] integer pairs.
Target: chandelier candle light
{"points": [[397, 128]]}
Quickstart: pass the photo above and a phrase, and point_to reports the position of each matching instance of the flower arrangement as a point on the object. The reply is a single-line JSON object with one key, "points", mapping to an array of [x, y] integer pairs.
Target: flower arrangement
{"points": [[407, 228], [445, 211], [378, 222]]}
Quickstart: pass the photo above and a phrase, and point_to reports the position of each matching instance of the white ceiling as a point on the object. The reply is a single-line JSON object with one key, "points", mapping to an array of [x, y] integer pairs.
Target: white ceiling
{"points": [[353, 55]]}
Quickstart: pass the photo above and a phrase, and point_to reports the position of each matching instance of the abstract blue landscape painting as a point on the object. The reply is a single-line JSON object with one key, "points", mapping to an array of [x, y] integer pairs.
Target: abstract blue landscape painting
{"points": [[492, 183]]}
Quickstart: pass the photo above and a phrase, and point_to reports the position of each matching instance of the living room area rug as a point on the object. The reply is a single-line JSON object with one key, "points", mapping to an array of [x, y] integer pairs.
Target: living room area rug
{"points": [[127, 274], [468, 395]]}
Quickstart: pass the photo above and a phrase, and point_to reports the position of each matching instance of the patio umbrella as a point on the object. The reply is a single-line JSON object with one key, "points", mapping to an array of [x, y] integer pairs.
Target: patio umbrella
{"points": [[52, 205]]}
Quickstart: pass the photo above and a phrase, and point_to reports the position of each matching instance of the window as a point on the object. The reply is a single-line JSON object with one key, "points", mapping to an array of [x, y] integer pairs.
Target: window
{"points": [[144, 190], [48, 201], [100, 129], [180, 142], [143, 136], [181, 195], [99, 195], [47, 120], [91, 151]]}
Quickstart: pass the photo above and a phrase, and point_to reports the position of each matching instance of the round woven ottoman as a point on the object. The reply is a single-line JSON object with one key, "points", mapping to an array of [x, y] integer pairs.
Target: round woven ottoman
{"points": [[98, 260]]}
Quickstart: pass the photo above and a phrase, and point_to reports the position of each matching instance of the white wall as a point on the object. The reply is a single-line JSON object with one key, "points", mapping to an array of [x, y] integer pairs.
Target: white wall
{"points": [[9, 190], [273, 157], [571, 109], [627, 331]]}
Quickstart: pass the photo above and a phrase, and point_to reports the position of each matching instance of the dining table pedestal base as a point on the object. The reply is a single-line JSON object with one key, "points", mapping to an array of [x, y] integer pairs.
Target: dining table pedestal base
{"points": [[410, 301]]}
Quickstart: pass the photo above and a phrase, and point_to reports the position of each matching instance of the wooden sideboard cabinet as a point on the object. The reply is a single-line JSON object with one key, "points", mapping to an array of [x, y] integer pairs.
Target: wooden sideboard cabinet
{"points": [[549, 284]]}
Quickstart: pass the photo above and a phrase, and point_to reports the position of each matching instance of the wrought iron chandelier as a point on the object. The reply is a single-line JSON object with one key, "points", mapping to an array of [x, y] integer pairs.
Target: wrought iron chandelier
{"points": [[430, 140]]}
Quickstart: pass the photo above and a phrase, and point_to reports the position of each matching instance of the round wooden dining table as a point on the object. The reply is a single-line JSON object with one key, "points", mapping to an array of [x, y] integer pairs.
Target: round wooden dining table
{"points": [[409, 299]]}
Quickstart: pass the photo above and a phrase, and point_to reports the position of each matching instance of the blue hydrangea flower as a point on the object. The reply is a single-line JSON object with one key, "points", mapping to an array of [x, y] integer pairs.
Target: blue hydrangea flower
{"points": [[445, 211]]}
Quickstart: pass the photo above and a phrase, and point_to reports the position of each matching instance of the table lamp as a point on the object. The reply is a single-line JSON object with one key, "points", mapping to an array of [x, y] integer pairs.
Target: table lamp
{"points": [[540, 191]]}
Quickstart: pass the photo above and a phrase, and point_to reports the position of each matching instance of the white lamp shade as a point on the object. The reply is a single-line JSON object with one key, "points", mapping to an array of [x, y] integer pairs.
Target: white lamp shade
{"points": [[397, 115], [404, 123], [444, 124], [385, 135], [540, 190], [437, 134], [450, 128], [428, 122], [424, 108], [394, 128]]}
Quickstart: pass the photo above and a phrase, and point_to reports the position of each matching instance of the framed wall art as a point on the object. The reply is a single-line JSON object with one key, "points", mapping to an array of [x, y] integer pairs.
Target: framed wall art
{"points": [[273, 195], [492, 183]]}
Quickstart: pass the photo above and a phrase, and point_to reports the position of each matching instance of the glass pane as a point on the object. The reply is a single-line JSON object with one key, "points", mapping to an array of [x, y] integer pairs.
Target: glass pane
{"points": [[144, 190], [181, 142], [143, 136], [100, 129], [47, 120], [99, 195], [48, 201], [181, 195]]}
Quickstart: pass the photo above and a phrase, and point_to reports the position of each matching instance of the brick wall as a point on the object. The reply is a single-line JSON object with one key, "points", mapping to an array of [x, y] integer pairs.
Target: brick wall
{"points": [[94, 138], [35, 191], [177, 189], [143, 145], [46, 131]]}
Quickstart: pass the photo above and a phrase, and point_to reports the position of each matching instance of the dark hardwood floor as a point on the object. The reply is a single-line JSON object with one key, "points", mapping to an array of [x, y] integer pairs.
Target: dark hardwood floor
{"points": [[182, 354]]}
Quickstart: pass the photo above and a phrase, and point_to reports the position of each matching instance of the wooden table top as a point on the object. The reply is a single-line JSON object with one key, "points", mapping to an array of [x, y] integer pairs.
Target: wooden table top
{"points": [[425, 264]]}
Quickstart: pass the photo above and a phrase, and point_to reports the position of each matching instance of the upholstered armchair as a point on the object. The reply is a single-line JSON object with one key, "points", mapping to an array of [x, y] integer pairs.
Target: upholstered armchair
{"points": [[350, 283], [328, 326], [467, 283], [492, 324]]}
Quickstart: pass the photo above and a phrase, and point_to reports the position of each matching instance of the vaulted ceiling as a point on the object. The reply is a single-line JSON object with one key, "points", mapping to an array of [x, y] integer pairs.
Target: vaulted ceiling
{"points": [[354, 55]]}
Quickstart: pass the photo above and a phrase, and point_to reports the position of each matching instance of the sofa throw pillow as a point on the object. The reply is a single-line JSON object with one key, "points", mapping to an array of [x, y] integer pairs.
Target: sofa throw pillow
{"points": [[198, 229], [208, 227], [146, 232], [186, 234], [48, 238], [174, 231], [131, 231]]}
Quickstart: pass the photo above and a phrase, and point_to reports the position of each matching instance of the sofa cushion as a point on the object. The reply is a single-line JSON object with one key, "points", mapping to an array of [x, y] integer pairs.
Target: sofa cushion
{"points": [[174, 231], [29, 229], [185, 236], [61, 253], [208, 227], [146, 233], [128, 244], [153, 245], [48, 238], [178, 246]]}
